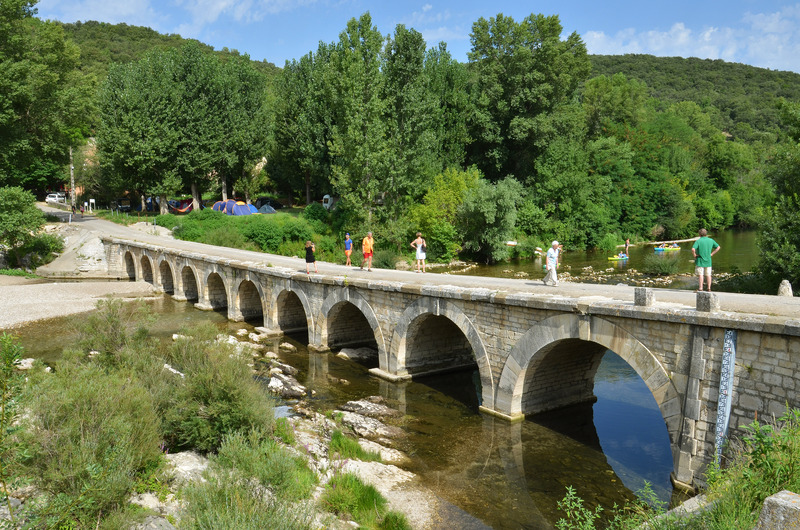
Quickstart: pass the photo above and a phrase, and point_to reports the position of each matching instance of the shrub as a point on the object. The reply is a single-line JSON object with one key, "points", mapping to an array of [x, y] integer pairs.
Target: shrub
{"points": [[226, 501], [269, 232], [37, 251], [661, 265], [218, 395], [609, 242], [348, 448], [89, 432], [112, 327], [224, 237], [168, 220], [315, 212], [283, 431], [385, 259], [255, 456]]}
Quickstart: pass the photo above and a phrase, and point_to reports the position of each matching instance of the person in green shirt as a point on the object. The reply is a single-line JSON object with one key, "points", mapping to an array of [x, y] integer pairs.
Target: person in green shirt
{"points": [[703, 249]]}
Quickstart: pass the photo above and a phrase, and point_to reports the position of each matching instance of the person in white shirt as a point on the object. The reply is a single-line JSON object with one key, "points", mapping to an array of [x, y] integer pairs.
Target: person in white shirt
{"points": [[551, 262]]}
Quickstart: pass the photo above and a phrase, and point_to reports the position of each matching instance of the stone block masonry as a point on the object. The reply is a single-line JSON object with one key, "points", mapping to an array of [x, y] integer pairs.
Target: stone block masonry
{"points": [[533, 352]]}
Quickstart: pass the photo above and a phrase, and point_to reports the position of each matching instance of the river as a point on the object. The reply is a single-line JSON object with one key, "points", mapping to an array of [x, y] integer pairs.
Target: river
{"points": [[739, 253], [505, 476]]}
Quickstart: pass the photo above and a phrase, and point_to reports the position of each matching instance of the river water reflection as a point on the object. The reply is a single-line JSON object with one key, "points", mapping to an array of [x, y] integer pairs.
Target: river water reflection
{"points": [[504, 475]]}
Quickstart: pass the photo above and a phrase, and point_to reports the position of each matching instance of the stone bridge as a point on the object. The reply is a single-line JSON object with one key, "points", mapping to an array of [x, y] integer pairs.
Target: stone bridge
{"points": [[534, 352]]}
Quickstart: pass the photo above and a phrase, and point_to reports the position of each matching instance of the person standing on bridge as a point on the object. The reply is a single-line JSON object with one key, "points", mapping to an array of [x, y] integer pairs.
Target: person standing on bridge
{"points": [[367, 247], [348, 248], [553, 254], [421, 248], [310, 258], [702, 250]]}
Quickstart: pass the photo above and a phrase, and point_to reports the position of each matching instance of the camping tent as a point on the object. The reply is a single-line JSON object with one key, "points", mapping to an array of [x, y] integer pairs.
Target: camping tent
{"points": [[231, 207]]}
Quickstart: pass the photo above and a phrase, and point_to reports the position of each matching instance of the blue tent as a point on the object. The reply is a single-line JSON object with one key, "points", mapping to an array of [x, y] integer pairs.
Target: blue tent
{"points": [[232, 207]]}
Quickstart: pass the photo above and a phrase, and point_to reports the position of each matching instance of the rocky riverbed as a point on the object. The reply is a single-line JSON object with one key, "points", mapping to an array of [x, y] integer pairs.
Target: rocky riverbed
{"points": [[369, 419]]}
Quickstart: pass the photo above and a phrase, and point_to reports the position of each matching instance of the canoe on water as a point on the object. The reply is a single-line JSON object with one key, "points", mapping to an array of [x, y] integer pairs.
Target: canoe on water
{"points": [[658, 249], [617, 258]]}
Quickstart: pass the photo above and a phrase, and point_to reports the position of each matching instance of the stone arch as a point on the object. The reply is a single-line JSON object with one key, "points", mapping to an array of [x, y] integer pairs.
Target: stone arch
{"points": [[250, 299], [130, 265], [216, 291], [191, 290], [291, 311], [165, 276], [147, 268], [532, 349], [338, 298], [396, 359]]}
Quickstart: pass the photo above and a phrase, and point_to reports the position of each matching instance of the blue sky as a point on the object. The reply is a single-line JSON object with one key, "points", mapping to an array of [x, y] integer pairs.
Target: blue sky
{"points": [[761, 33]]}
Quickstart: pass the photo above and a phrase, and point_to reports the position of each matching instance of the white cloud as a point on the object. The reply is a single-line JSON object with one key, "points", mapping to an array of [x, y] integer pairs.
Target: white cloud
{"points": [[768, 40]]}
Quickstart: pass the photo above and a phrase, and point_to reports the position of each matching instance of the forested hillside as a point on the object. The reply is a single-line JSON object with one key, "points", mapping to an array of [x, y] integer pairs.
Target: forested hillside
{"points": [[102, 44], [742, 100]]}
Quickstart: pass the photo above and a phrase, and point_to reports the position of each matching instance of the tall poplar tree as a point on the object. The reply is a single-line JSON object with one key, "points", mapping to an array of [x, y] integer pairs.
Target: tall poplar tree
{"points": [[359, 145]]}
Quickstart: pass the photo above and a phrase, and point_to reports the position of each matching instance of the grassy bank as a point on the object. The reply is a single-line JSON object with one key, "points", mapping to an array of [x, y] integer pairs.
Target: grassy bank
{"points": [[96, 429]]}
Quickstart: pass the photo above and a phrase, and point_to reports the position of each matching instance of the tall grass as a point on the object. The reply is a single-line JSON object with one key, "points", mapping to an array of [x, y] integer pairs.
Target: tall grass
{"points": [[345, 494], [346, 447]]}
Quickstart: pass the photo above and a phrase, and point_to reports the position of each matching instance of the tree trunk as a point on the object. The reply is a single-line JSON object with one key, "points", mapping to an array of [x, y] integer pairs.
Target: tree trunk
{"points": [[195, 197], [163, 205], [224, 181], [308, 187]]}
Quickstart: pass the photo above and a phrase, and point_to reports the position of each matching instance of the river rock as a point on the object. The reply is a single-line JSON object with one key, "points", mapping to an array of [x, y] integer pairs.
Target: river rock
{"points": [[151, 522], [368, 427], [187, 466], [357, 354], [284, 368], [288, 347], [25, 364], [286, 386], [368, 407], [4, 514], [169, 508], [242, 332], [271, 355], [785, 288]]}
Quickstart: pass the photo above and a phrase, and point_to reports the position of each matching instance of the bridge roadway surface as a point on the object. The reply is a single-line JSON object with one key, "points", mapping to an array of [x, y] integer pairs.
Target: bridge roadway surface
{"points": [[732, 302]]}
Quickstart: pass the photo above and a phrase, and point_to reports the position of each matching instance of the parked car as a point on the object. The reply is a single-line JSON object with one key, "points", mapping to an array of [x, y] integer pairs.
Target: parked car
{"points": [[56, 198], [123, 204], [261, 201]]}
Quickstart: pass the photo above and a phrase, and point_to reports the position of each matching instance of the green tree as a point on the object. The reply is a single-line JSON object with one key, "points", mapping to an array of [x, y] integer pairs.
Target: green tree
{"points": [[138, 137], [303, 126], [20, 219], [436, 216], [523, 71], [613, 101], [358, 145], [487, 217], [44, 101], [411, 138], [246, 123]]}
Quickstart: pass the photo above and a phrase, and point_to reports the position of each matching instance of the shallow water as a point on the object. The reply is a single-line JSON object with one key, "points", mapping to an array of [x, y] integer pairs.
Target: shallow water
{"points": [[739, 253], [507, 476]]}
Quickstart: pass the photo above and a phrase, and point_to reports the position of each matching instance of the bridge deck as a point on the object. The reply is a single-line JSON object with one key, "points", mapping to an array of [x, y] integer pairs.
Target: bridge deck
{"points": [[767, 305]]}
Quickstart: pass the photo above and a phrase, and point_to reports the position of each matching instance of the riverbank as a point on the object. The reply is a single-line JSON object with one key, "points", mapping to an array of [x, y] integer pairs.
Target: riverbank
{"points": [[25, 300]]}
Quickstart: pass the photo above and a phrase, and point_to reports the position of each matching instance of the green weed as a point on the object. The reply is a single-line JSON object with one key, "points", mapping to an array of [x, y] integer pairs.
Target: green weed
{"points": [[348, 448]]}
